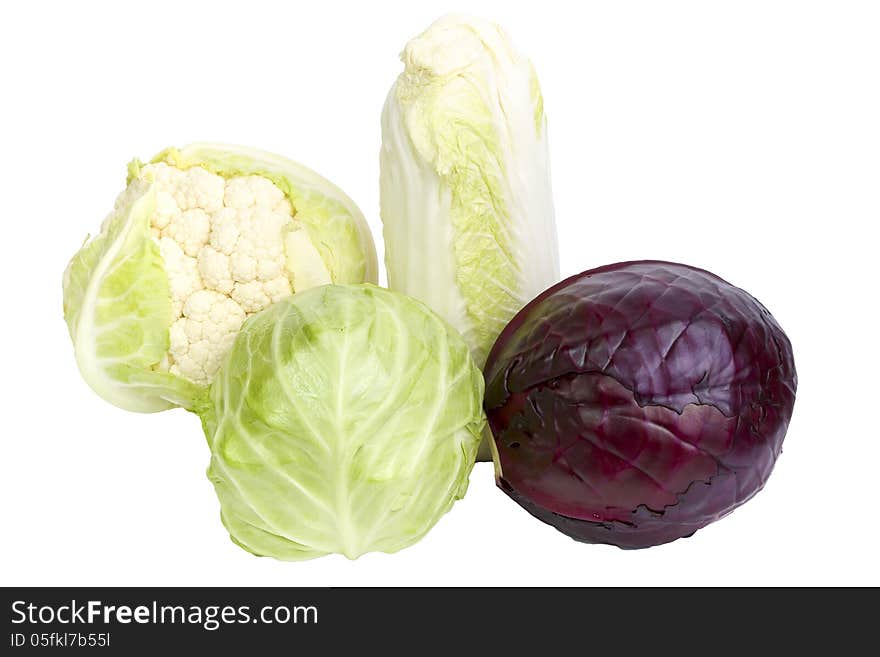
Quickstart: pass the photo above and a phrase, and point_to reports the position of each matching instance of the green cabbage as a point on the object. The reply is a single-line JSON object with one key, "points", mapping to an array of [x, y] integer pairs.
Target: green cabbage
{"points": [[345, 419]]}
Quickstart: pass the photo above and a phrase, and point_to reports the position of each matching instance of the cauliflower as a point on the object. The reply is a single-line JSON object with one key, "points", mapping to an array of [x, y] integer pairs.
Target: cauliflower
{"points": [[201, 239], [223, 242]]}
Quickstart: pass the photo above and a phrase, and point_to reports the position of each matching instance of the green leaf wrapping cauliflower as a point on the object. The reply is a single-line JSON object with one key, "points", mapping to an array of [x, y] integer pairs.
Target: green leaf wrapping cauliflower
{"points": [[201, 238], [345, 419]]}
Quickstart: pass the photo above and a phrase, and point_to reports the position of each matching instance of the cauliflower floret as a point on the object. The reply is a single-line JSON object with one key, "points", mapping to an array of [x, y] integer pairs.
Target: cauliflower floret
{"points": [[183, 273], [277, 288], [214, 268], [225, 230], [238, 194], [250, 296], [166, 177], [223, 243], [265, 226], [266, 193], [242, 264], [190, 229], [199, 337], [200, 189], [166, 210]]}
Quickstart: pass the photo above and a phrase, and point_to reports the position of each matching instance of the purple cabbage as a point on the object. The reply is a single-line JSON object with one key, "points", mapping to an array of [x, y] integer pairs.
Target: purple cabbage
{"points": [[635, 403]]}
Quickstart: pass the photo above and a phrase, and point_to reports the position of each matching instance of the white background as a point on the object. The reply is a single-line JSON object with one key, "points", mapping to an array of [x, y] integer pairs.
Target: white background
{"points": [[739, 136]]}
